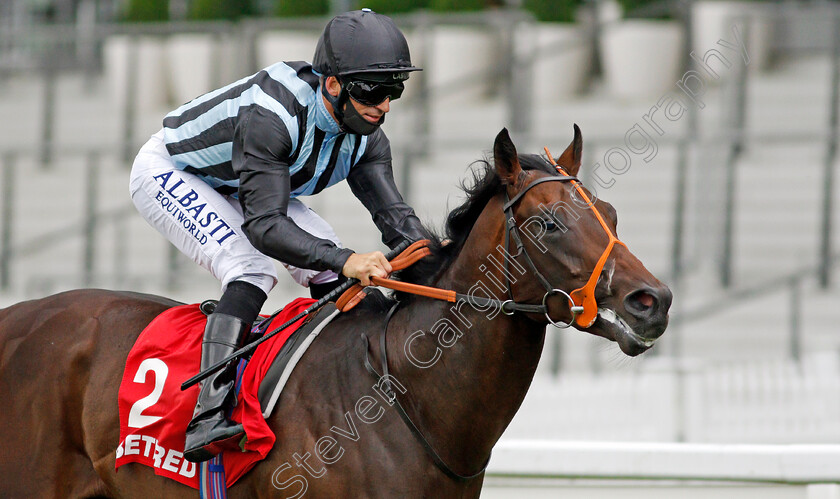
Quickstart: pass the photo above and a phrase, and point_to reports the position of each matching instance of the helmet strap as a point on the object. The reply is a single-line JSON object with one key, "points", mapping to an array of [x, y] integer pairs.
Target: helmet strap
{"points": [[335, 101]]}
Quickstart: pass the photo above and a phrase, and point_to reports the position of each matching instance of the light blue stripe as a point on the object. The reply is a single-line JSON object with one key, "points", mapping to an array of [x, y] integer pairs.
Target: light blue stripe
{"points": [[344, 163], [288, 77], [280, 72], [230, 108], [361, 150], [204, 98], [216, 183], [262, 99], [342, 169], [221, 111], [212, 155], [321, 165], [342, 166], [306, 146], [202, 474]]}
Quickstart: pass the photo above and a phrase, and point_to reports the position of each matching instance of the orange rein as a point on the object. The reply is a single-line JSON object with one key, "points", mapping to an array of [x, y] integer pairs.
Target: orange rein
{"points": [[407, 258], [585, 296], [582, 297]]}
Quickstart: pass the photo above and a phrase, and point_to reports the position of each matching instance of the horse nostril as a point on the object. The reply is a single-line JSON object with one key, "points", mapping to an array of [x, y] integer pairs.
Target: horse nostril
{"points": [[646, 300], [642, 303]]}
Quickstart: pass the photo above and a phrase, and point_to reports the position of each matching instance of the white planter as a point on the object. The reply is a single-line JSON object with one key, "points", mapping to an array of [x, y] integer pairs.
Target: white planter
{"points": [[150, 87], [712, 20], [193, 63], [641, 58], [562, 59], [276, 46], [457, 56]]}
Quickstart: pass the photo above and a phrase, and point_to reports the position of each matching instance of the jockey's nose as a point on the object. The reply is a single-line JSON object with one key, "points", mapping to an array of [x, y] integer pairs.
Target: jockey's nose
{"points": [[649, 304]]}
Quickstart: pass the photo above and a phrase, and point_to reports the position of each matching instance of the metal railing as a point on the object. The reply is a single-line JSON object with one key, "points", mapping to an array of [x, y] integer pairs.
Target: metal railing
{"points": [[728, 299], [87, 227]]}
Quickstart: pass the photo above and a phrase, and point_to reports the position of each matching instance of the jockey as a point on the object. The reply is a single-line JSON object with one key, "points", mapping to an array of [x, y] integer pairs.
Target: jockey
{"points": [[223, 178]]}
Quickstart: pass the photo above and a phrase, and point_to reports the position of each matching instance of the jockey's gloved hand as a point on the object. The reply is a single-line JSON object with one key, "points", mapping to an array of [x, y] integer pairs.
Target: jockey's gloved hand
{"points": [[363, 266]]}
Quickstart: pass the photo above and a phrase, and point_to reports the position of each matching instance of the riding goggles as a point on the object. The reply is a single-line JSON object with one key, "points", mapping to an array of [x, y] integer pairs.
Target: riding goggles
{"points": [[373, 94]]}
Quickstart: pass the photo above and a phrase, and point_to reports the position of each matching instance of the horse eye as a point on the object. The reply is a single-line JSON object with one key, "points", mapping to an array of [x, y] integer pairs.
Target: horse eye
{"points": [[549, 225]]}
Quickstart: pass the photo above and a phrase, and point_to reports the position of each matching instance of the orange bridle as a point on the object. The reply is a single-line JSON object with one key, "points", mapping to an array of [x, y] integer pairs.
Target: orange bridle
{"points": [[585, 295]]}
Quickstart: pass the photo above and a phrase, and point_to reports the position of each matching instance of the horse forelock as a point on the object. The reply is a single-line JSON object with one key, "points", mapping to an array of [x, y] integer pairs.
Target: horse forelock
{"points": [[483, 185]]}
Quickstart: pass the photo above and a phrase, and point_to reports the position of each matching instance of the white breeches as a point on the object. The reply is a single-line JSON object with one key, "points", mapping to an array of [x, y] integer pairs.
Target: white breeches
{"points": [[207, 226]]}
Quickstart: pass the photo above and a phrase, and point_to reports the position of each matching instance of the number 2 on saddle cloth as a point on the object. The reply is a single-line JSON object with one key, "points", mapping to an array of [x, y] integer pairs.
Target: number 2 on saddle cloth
{"points": [[154, 412]]}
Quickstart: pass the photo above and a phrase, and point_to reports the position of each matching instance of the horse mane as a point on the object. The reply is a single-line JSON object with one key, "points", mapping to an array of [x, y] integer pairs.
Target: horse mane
{"points": [[485, 184]]}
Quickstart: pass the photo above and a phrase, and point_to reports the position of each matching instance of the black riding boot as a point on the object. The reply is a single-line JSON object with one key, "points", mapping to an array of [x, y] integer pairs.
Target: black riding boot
{"points": [[210, 431]]}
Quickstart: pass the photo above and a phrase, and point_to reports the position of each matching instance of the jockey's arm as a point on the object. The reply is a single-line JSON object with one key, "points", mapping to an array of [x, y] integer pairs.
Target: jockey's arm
{"points": [[261, 148], [372, 182]]}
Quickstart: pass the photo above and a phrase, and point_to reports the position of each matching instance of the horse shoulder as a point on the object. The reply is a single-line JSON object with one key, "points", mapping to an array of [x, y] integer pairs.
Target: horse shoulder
{"points": [[317, 407], [335, 431]]}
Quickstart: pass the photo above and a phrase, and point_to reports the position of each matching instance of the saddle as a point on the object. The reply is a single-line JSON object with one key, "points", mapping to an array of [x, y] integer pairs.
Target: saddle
{"points": [[154, 412], [285, 358]]}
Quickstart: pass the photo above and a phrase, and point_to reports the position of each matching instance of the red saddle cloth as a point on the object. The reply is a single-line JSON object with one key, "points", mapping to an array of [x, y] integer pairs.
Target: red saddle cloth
{"points": [[154, 412]]}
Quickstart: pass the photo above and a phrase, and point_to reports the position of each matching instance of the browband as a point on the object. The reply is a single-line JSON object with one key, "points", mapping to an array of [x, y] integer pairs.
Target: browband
{"points": [[555, 178]]}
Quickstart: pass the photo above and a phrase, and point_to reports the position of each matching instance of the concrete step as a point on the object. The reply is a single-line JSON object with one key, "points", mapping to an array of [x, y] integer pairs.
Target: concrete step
{"points": [[804, 81], [767, 401], [21, 105], [777, 224]]}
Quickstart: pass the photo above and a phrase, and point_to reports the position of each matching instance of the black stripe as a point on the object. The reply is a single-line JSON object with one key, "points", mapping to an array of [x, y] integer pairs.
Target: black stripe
{"points": [[267, 84], [304, 72], [226, 190], [221, 171], [280, 93], [328, 171], [217, 134], [306, 173], [302, 119], [353, 159], [199, 109]]}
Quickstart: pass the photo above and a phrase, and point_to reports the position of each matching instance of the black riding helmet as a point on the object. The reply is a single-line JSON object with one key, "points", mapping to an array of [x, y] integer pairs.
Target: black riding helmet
{"points": [[367, 48]]}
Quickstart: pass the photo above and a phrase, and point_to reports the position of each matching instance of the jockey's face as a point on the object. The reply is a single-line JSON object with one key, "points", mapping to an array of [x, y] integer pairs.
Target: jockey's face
{"points": [[373, 114]]}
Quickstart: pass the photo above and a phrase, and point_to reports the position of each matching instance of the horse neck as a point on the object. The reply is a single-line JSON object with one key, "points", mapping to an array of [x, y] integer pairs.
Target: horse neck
{"points": [[485, 360]]}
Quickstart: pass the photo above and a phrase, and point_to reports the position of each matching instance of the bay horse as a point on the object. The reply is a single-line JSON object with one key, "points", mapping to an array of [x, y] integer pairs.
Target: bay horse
{"points": [[460, 371]]}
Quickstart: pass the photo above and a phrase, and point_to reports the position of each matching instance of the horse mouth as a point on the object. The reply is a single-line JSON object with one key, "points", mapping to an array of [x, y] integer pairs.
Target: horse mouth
{"points": [[630, 342]]}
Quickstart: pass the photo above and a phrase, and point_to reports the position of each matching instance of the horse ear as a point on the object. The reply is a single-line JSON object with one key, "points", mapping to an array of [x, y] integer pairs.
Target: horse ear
{"points": [[570, 159], [505, 158]]}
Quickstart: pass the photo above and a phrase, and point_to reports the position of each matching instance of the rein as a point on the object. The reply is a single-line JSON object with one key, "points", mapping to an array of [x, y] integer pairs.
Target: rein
{"points": [[391, 395], [581, 301]]}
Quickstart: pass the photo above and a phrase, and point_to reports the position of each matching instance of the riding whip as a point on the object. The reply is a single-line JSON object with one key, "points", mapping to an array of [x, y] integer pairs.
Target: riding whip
{"points": [[249, 348]]}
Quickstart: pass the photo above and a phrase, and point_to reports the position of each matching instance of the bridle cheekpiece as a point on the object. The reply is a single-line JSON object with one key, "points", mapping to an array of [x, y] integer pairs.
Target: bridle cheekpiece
{"points": [[582, 303]]}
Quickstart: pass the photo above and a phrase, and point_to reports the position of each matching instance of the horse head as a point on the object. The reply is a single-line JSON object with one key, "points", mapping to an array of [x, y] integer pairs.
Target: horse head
{"points": [[584, 275]]}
